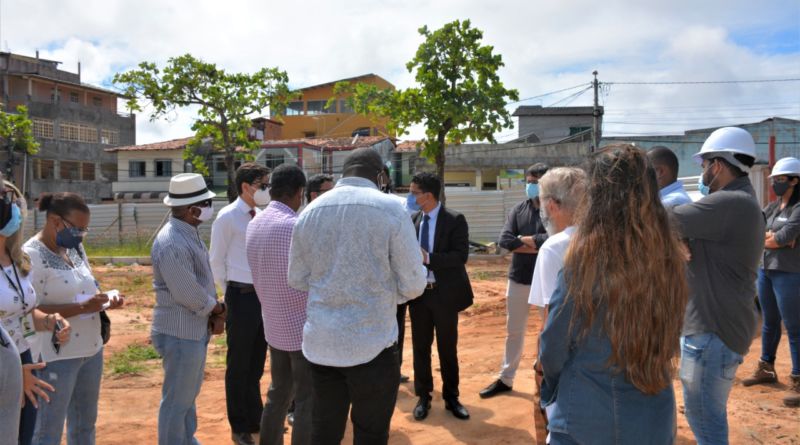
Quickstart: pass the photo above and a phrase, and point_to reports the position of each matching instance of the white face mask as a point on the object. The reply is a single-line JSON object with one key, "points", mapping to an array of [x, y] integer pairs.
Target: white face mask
{"points": [[261, 197], [545, 217], [206, 213]]}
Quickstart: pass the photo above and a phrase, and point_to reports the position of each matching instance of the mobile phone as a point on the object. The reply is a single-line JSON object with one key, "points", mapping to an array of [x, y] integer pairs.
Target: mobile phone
{"points": [[58, 327]]}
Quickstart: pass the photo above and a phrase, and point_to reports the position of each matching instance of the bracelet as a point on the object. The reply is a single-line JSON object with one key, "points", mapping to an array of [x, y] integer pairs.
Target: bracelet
{"points": [[46, 320]]}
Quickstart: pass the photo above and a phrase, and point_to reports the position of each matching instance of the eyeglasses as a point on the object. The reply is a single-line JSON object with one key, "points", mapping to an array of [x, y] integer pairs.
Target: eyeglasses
{"points": [[206, 203], [81, 230], [260, 186]]}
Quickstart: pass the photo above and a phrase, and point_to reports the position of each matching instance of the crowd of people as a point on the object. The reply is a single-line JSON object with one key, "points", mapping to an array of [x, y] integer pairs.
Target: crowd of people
{"points": [[627, 272]]}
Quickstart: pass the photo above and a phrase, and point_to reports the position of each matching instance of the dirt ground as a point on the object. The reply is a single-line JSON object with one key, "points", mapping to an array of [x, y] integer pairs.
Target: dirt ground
{"points": [[129, 403]]}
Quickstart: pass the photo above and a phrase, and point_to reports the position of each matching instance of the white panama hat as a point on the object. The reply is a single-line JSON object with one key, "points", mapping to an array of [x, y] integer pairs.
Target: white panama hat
{"points": [[187, 188]]}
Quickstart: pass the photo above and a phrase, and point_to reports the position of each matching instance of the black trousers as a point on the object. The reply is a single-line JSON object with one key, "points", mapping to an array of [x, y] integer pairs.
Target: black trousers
{"points": [[425, 321], [371, 388], [247, 351], [401, 330]]}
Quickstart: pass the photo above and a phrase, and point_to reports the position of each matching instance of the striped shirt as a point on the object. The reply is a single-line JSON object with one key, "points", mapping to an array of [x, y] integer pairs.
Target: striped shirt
{"points": [[182, 279], [282, 308], [355, 252]]}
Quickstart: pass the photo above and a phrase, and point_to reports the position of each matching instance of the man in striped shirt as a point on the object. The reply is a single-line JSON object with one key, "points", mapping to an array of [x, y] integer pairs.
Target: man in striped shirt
{"points": [[185, 298], [283, 309]]}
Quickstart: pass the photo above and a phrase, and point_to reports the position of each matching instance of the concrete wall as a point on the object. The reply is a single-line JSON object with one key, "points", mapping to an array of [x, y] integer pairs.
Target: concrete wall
{"points": [[551, 128]]}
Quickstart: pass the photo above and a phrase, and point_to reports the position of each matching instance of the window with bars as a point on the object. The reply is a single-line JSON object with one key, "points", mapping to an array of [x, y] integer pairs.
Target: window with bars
{"points": [[87, 171], [137, 169], [69, 131], [87, 134], [74, 98], [163, 167], [70, 170], [97, 101], [44, 169], [109, 137], [42, 128]]}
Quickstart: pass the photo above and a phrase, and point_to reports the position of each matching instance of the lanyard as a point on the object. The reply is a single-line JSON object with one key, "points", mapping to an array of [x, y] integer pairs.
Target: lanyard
{"points": [[17, 287]]}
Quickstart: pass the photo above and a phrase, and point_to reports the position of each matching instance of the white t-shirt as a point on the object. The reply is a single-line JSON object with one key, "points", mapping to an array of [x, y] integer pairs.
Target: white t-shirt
{"points": [[549, 263]]}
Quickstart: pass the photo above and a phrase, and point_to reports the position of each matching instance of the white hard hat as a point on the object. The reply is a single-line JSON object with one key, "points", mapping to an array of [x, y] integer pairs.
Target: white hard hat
{"points": [[786, 166], [731, 140]]}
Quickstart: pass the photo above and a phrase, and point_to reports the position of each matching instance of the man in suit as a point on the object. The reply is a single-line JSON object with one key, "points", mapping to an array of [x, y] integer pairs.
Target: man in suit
{"points": [[444, 239]]}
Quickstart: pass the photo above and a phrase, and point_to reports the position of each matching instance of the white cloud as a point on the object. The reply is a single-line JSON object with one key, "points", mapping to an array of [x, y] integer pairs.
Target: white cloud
{"points": [[545, 46]]}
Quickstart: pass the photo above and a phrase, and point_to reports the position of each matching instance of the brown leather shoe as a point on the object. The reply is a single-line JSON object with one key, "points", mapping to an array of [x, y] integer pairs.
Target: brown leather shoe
{"points": [[764, 373], [792, 398]]}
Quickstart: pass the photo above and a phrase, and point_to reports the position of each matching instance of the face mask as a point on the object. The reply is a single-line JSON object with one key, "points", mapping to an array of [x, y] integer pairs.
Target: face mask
{"points": [[531, 190], [705, 189], [546, 221], [411, 203], [205, 213], [13, 223], [780, 187], [69, 238], [261, 197]]}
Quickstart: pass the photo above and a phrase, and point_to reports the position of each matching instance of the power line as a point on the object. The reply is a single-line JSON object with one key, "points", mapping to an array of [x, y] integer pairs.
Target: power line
{"points": [[546, 94], [571, 97], [704, 82]]}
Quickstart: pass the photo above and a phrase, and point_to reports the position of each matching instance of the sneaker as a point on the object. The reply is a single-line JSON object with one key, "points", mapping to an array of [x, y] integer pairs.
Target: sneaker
{"points": [[792, 398], [765, 373]]}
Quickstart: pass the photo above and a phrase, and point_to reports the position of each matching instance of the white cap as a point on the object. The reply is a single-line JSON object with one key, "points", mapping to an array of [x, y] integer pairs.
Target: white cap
{"points": [[786, 166], [730, 141], [187, 188]]}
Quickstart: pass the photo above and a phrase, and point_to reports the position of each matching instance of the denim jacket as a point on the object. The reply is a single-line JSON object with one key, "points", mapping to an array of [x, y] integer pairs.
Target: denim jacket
{"points": [[593, 403]]}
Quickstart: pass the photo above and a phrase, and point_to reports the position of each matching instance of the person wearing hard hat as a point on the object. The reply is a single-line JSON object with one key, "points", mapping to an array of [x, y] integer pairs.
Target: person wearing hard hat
{"points": [[725, 234], [779, 278]]}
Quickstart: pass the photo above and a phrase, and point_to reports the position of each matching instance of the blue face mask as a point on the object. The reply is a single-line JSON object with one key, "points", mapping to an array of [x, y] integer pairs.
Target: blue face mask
{"points": [[704, 189], [69, 238], [13, 224], [531, 190], [411, 203]]}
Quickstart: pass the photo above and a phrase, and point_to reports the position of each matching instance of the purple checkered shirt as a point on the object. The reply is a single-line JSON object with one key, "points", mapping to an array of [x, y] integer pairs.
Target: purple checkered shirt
{"points": [[283, 309]]}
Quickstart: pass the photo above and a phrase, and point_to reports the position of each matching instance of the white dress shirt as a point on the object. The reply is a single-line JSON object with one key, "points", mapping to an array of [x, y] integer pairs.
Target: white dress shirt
{"points": [[433, 215], [228, 255]]}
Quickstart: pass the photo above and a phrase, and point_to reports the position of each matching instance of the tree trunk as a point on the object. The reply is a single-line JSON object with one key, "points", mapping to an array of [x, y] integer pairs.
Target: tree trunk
{"points": [[231, 167], [440, 160]]}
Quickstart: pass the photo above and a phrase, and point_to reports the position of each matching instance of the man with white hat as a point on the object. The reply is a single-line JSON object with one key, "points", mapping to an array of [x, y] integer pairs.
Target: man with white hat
{"points": [[725, 234], [185, 299]]}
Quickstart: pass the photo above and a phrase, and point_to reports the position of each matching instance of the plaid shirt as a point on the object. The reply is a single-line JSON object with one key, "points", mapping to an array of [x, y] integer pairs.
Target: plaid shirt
{"points": [[283, 309]]}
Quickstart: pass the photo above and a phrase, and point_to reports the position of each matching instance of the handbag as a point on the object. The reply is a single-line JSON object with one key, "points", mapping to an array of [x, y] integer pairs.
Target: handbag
{"points": [[105, 327]]}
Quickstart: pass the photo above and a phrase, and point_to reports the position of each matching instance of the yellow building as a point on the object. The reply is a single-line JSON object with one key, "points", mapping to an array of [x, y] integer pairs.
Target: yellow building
{"points": [[308, 116]]}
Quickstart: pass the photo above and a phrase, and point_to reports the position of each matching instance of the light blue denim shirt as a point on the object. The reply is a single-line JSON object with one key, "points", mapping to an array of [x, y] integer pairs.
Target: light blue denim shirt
{"points": [[674, 194], [594, 403], [355, 251]]}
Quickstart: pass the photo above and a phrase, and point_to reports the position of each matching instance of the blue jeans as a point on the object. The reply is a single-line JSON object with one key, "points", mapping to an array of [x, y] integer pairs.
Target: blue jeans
{"points": [[77, 388], [779, 295], [184, 362], [27, 420], [707, 371]]}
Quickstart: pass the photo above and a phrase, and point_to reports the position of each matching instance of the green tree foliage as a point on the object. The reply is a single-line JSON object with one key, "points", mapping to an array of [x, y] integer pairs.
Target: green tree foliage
{"points": [[16, 133], [226, 103], [459, 95]]}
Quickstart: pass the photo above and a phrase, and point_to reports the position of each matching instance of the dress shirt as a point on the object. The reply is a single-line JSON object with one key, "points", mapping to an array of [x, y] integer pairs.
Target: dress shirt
{"points": [[549, 263], [433, 215], [227, 254], [354, 250], [523, 220], [182, 279], [674, 194], [282, 308]]}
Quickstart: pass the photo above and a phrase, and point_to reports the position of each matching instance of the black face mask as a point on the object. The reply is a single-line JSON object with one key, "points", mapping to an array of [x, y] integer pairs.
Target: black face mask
{"points": [[780, 187]]}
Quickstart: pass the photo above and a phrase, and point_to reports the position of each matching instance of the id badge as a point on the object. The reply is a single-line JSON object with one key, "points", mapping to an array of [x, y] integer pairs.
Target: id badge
{"points": [[26, 321]]}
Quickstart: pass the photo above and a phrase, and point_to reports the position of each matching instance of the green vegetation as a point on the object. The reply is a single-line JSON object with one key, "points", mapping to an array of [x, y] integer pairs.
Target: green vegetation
{"points": [[116, 250], [131, 360]]}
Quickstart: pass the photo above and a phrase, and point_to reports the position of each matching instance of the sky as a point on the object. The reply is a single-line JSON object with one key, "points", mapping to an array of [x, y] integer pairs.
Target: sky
{"points": [[546, 46]]}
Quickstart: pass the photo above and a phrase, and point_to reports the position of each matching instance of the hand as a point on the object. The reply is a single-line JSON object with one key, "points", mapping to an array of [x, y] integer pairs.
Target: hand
{"points": [[684, 249], [33, 385], [66, 329], [219, 309], [537, 367], [117, 303], [94, 304]]}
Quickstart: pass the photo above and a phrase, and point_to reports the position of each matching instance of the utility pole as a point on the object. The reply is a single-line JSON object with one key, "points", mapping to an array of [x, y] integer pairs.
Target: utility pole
{"points": [[596, 113]]}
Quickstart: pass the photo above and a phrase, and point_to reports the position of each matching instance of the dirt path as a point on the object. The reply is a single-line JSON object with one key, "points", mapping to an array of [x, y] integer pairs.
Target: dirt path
{"points": [[129, 403]]}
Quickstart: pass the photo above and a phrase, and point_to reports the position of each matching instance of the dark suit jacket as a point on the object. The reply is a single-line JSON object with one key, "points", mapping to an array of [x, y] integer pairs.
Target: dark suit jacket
{"points": [[447, 261]]}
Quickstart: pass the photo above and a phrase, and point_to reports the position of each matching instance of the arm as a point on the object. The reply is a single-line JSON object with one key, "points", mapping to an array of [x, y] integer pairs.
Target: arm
{"points": [[693, 219], [219, 251], [508, 237], [787, 234], [459, 245], [175, 267], [299, 271], [405, 259], [555, 341]]}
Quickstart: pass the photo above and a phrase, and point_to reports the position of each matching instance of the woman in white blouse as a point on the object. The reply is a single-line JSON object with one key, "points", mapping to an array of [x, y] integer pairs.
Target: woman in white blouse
{"points": [[64, 283], [18, 314]]}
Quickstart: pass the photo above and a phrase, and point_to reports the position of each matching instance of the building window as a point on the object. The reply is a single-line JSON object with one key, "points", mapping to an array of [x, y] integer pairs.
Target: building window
{"points": [[163, 167], [55, 95], [87, 134], [221, 166], [69, 131], [42, 128], [273, 160], [309, 134], [109, 137], [294, 108], [108, 171], [87, 171], [576, 130], [363, 131], [137, 169], [344, 108], [44, 169], [70, 170], [97, 101], [315, 107], [74, 98]]}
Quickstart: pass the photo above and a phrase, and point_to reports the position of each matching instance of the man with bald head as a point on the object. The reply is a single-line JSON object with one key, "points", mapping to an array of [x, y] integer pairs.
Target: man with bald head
{"points": [[665, 163], [354, 250]]}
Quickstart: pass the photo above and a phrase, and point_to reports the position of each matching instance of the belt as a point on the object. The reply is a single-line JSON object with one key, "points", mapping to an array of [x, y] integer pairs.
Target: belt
{"points": [[245, 288]]}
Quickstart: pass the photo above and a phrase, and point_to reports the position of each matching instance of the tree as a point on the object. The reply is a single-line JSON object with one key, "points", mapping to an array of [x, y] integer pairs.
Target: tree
{"points": [[16, 132], [459, 95], [227, 102]]}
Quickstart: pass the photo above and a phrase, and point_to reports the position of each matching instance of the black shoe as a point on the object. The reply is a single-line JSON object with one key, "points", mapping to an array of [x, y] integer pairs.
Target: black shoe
{"points": [[458, 410], [494, 389], [242, 439], [404, 378], [422, 408]]}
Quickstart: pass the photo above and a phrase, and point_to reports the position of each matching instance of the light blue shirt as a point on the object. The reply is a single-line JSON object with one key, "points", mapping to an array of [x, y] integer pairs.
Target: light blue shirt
{"points": [[674, 194], [433, 215], [355, 251]]}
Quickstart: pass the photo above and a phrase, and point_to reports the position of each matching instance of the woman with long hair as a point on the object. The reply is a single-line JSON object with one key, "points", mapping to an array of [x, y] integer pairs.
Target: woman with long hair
{"points": [[18, 313], [613, 329]]}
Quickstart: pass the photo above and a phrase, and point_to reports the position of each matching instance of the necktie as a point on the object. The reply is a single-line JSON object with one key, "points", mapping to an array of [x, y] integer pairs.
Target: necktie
{"points": [[252, 213], [423, 233]]}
